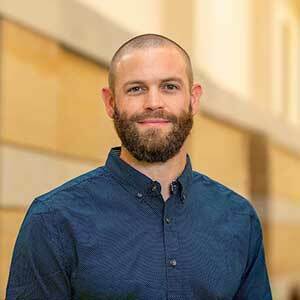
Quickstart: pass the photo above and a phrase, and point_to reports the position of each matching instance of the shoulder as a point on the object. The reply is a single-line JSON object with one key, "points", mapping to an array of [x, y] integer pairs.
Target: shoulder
{"points": [[74, 192], [220, 197]]}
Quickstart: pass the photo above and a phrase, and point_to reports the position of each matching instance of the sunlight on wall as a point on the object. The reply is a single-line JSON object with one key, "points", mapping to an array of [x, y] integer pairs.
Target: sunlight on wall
{"points": [[137, 16], [222, 42]]}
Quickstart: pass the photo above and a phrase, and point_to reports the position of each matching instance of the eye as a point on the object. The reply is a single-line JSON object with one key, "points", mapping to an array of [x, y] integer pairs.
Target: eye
{"points": [[170, 87], [135, 90]]}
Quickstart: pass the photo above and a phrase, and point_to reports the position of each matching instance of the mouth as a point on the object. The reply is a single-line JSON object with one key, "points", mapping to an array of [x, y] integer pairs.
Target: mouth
{"points": [[154, 122]]}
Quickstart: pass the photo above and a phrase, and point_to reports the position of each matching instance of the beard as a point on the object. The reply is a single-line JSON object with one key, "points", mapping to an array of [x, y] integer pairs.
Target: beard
{"points": [[152, 145]]}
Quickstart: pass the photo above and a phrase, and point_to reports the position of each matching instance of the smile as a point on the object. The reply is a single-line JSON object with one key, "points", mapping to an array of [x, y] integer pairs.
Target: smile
{"points": [[154, 122]]}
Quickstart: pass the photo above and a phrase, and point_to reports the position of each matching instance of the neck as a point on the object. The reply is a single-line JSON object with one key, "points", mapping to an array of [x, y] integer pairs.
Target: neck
{"points": [[163, 172]]}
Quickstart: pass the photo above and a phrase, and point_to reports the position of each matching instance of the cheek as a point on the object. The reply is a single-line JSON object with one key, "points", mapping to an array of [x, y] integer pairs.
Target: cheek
{"points": [[130, 106], [178, 105], [128, 110]]}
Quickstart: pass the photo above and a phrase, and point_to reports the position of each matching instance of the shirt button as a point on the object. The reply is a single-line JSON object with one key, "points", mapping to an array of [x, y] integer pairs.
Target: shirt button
{"points": [[154, 188], [173, 263], [173, 187], [139, 195], [167, 220]]}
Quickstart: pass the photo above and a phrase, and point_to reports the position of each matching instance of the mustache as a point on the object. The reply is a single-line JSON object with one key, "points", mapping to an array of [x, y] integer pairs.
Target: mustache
{"points": [[159, 114]]}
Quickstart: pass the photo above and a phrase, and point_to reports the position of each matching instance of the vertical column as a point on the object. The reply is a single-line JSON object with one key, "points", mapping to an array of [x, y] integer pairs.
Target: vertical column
{"points": [[2, 260], [260, 67], [259, 178], [1, 70]]}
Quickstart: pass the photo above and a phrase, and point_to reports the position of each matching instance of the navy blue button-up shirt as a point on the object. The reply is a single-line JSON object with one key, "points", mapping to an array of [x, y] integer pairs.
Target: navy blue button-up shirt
{"points": [[108, 234]]}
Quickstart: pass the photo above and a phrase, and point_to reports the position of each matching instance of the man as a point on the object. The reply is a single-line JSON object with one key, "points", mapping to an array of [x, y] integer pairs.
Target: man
{"points": [[144, 226]]}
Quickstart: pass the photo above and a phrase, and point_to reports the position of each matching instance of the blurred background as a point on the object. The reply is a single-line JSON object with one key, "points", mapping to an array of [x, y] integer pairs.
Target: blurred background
{"points": [[54, 58]]}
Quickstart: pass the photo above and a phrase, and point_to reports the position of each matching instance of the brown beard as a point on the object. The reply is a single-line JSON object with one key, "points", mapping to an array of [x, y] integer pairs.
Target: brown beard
{"points": [[151, 145]]}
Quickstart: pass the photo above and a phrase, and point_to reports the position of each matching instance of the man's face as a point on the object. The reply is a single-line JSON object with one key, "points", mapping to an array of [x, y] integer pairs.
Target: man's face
{"points": [[153, 107]]}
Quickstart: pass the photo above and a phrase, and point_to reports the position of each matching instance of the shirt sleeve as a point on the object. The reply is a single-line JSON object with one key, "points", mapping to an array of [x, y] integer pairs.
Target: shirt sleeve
{"points": [[38, 269], [255, 281]]}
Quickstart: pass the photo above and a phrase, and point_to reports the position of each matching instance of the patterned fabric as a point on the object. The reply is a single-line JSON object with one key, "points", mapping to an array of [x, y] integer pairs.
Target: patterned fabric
{"points": [[108, 234]]}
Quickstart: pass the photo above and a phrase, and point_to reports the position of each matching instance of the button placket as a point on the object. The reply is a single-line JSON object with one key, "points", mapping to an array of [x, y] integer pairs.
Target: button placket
{"points": [[171, 245]]}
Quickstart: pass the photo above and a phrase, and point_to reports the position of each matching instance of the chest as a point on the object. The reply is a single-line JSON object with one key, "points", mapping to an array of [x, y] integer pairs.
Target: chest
{"points": [[178, 257]]}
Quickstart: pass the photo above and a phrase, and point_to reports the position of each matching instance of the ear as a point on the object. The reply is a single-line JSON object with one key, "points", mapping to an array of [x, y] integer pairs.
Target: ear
{"points": [[108, 100], [195, 97]]}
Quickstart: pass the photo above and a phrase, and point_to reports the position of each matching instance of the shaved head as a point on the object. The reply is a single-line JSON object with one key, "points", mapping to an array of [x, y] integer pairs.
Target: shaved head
{"points": [[146, 41]]}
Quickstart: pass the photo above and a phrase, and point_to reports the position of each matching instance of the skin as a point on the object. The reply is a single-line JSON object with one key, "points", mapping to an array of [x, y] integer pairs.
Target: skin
{"points": [[147, 80]]}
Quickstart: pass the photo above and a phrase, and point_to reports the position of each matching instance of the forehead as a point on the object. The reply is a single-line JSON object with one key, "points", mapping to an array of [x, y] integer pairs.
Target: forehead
{"points": [[151, 63]]}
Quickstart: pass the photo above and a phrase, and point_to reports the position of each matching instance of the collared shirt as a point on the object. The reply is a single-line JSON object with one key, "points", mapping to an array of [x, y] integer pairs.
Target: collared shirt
{"points": [[108, 234]]}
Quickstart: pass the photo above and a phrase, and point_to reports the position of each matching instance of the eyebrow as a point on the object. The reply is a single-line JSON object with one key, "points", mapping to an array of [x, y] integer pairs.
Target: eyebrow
{"points": [[177, 79], [132, 82]]}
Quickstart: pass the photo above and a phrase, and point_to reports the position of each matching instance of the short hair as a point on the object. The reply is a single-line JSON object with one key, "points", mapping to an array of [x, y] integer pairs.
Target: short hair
{"points": [[144, 41]]}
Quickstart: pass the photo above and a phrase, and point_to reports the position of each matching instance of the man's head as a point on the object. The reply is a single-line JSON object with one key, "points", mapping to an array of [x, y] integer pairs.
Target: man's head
{"points": [[147, 41], [151, 97]]}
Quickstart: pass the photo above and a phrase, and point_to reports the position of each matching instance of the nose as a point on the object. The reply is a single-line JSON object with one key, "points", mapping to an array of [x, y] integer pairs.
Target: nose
{"points": [[153, 100]]}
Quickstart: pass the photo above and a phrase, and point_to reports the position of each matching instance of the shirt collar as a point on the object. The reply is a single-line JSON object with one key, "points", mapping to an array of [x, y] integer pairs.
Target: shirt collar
{"points": [[140, 183]]}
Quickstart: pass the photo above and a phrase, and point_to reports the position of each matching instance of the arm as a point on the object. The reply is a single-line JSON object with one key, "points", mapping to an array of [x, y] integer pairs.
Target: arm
{"points": [[255, 281], [38, 269]]}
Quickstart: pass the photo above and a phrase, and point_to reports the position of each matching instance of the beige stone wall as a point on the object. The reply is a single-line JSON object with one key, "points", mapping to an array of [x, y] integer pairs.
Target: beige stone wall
{"points": [[83, 129], [28, 89], [284, 233], [137, 16], [10, 222], [285, 255], [221, 152], [53, 124], [284, 179], [51, 97]]}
